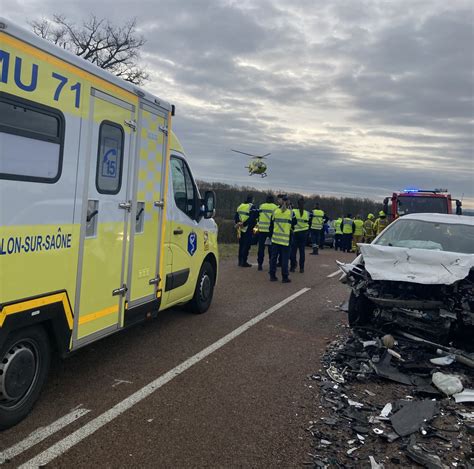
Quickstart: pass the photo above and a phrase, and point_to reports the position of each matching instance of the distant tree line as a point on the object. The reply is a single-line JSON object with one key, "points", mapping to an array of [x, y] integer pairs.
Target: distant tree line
{"points": [[230, 196]]}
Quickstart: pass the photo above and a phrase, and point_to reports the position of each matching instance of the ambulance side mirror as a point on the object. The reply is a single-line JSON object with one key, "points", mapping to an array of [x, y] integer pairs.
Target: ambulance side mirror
{"points": [[209, 204]]}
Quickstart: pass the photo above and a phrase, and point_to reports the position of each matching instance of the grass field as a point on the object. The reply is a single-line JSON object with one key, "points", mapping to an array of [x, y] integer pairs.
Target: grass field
{"points": [[227, 251]]}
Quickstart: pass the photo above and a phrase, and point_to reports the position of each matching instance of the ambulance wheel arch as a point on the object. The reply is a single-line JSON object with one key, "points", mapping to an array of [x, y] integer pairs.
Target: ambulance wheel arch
{"points": [[205, 284]]}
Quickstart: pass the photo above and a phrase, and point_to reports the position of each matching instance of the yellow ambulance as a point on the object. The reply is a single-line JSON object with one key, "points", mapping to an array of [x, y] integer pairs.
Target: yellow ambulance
{"points": [[101, 222]]}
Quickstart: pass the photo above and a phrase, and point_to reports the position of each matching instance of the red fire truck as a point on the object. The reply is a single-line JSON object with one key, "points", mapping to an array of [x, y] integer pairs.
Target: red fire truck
{"points": [[420, 201]]}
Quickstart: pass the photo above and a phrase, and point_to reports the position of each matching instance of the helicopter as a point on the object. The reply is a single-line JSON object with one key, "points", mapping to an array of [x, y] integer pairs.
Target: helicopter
{"points": [[256, 165]]}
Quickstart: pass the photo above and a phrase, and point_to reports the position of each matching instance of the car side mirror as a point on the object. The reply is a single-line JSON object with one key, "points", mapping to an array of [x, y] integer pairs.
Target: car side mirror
{"points": [[209, 204]]}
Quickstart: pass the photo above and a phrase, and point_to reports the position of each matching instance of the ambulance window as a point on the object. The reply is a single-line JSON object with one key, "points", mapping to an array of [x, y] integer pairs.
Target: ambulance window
{"points": [[183, 187], [31, 140], [108, 178], [179, 183]]}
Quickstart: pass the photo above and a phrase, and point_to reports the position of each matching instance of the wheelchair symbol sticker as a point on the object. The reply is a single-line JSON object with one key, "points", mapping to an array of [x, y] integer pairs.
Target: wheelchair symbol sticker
{"points": [[192, 243]]}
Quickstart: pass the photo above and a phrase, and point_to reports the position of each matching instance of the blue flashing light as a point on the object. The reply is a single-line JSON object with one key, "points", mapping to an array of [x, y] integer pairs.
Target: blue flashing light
{"points": [[408, 191]]}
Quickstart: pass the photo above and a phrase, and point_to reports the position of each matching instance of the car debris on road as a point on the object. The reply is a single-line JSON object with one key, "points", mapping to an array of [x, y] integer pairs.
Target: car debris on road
{"points": [[397, 383], [389, 408]]}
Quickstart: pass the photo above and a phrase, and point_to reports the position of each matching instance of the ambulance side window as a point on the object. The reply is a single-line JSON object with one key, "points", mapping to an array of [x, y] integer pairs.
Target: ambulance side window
{"points": [[183, 187], [31, 140], [108, 178]]}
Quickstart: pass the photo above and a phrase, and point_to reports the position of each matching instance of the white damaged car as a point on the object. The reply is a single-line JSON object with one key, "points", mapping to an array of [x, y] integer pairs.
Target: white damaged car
{"points": [[417, 276]]}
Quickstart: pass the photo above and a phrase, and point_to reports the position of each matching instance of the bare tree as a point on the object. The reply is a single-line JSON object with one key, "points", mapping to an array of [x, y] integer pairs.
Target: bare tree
{"points": [[111, 47]]}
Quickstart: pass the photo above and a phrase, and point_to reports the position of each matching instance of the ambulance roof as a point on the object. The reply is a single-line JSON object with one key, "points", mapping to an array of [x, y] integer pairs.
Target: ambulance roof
{"points": [[10, 28]]}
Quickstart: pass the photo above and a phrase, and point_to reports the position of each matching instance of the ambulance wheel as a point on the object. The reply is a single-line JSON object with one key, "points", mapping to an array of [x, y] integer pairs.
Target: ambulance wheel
{"points": [[24, 366], [204, 289]]}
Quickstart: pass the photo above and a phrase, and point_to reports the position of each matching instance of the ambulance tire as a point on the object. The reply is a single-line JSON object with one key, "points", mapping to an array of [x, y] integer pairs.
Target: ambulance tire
{"points": [[204, 289], [25, 347]]}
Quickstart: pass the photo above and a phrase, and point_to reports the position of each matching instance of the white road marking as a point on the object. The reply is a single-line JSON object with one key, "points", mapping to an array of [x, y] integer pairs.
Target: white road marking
{"points": [[41, 434], [335, 273], [89, 428]]}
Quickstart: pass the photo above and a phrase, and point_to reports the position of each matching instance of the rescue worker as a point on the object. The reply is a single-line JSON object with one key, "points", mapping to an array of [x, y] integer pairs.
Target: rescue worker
{"points": [[358, 233], [369, 229], [281, 224], [381, 223], [338, 234], [316, 229], [324, 232], [245, 219], [300, 236], [348, 228], [265, 215]]}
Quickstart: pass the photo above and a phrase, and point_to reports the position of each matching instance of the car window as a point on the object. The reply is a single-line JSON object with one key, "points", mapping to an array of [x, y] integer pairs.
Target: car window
{"points": [[429, 235]]}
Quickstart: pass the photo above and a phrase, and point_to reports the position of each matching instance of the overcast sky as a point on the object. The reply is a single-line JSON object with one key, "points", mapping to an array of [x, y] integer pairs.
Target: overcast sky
{"points": [[350, 97]]}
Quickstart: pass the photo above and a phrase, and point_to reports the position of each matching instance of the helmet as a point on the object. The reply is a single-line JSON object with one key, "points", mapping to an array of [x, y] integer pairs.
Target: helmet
{"points": [[370, 216], [382, 213]]}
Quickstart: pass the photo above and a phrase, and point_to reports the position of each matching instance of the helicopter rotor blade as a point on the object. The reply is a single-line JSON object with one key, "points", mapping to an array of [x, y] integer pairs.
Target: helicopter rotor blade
{"points": [[243, 153], [250, 155]]}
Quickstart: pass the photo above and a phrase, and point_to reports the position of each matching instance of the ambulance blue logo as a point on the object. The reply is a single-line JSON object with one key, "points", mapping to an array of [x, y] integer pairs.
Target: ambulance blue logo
{"points": [[192, 243]]}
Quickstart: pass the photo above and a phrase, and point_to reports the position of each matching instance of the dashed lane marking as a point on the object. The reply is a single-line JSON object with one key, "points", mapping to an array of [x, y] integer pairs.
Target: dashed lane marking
{"points": [[41, 434], [335, 273], [89, 428]]}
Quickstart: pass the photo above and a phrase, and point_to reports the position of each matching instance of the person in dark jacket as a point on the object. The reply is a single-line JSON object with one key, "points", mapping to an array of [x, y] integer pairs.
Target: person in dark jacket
{"points": [[245, 219]]}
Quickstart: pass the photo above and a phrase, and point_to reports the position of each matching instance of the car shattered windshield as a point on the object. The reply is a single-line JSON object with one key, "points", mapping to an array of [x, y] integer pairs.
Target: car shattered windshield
{"points": [[429, 235]]}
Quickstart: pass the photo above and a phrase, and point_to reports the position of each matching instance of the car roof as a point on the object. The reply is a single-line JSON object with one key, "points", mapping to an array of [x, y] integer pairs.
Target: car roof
{"points": [[440, 218]]}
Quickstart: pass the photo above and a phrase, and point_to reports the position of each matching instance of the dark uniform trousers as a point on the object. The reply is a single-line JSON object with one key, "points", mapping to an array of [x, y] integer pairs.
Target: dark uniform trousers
{"points": [[284, 253], [346, 242], [245, 242], [262, 237], [298, 244]]}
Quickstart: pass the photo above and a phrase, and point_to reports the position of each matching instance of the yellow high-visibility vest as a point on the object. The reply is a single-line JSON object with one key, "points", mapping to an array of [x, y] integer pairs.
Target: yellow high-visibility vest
{"points": [[281, 226], [244, 212], [379, 225], [302, 221], [318, 219], [369, 227], [265, 216], [337, 226], [347, 226], [359, 227]]}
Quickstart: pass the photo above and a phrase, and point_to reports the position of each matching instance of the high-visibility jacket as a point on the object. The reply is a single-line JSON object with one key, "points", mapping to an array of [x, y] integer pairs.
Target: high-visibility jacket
{"points": [[337, 226], [265, 216], [318, 219], [244, 213], [347, 224], [359, 227], [282, 221], [368, 227], [302, 221], [380, 224]]}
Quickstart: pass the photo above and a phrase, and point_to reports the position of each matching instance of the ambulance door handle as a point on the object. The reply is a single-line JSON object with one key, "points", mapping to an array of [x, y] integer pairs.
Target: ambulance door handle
{"points": [[178, 231]]}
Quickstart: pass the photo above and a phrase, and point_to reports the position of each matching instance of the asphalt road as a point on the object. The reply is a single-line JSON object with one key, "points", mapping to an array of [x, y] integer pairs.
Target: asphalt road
{"points": [[245, 402]]}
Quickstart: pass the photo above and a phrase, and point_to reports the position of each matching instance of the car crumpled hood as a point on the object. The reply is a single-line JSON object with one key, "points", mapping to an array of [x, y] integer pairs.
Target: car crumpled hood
{"points": [[422, 266]]}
